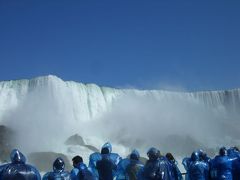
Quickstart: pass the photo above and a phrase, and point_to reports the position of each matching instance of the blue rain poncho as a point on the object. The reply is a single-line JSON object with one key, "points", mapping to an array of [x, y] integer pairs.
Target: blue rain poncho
{"points": [[18, 169], [58, 171]]}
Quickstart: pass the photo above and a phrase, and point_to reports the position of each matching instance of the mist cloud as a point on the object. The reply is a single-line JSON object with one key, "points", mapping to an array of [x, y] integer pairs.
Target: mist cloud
{"points": [[171, 121]]}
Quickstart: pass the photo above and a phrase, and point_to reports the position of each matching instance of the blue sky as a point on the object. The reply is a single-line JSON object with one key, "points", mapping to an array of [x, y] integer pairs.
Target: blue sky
{"points": [[120, 43]]}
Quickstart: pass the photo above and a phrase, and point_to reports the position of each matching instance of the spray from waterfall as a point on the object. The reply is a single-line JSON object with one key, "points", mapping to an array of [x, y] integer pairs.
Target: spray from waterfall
{"points": [[45, 111]]}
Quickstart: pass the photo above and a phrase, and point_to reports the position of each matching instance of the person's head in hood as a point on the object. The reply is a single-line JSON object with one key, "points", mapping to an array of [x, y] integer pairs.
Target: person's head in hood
{"points": [[153, 153], [76, 161], [232, 150], [17, 157], [223, 151], [170, 157], [236, 148], [195, 156], [58, 165], [106, 148], [202, 154], [134, 155], [18, 169]]}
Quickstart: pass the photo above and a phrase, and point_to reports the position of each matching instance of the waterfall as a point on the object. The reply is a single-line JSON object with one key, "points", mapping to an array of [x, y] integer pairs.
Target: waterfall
{"points": [[48, 107]]}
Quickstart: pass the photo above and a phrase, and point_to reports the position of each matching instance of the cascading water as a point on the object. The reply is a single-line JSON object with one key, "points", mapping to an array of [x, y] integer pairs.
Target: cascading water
{"points": [[44, 111]]}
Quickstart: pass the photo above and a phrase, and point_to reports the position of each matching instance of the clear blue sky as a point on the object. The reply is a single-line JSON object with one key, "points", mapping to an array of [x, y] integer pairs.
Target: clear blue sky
{"points": [[139, 43]]}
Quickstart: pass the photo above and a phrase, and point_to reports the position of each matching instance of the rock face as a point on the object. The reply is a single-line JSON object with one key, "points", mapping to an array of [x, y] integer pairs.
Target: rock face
{"points": [[6, 143], [44, 160]]}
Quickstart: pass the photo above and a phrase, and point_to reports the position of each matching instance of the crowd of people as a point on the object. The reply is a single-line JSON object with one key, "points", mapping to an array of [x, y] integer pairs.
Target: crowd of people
{"points": [[106, 165]]}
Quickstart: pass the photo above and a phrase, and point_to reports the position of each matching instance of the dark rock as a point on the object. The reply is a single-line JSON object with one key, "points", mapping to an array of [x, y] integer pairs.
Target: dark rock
{"points": [[75, 140], [78, 140], [6, 143]]}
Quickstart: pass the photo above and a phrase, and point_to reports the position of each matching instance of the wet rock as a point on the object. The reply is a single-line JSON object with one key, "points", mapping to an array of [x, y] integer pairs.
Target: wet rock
{"points": [[78, 140], [75, 140]]}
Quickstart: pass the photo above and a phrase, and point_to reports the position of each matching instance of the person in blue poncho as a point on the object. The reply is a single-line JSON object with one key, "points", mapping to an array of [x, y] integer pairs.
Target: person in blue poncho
{"points": [[236, 169], [18, 169], [80, 170], [198, 170], [203, 156], [157, 167], [58, 171], [129, 168], [234, 155], [221, 166], [174, 168], [108, 157], [186, 163], [106, 166], [2, 167]]}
